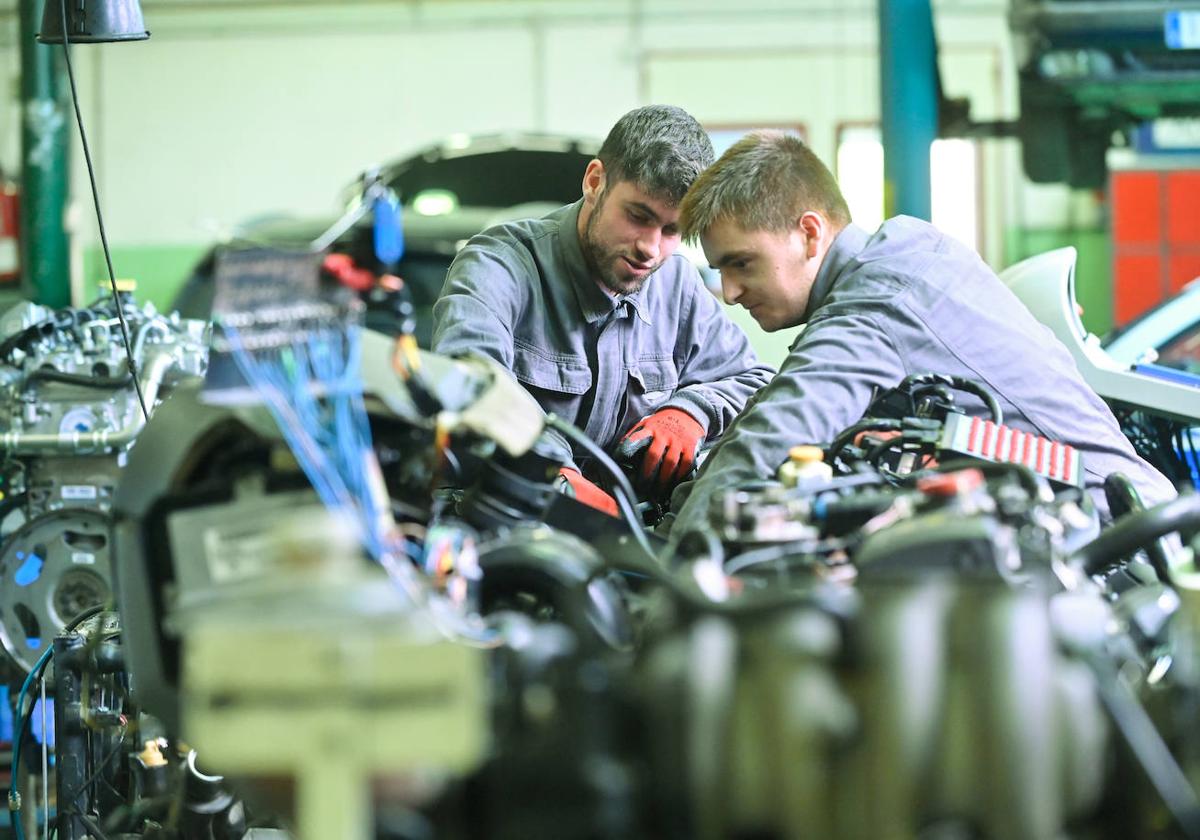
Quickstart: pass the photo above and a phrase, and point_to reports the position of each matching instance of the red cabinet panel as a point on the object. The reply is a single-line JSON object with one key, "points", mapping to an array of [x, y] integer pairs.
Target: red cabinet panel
{"points": [[1183, 208], [1137, 282], [1137, 207], [1155, 236], [1182, 268]]}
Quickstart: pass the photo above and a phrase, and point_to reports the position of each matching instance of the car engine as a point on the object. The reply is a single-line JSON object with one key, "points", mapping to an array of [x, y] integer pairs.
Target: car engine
{"points": [[349, 601], [70, 415]]}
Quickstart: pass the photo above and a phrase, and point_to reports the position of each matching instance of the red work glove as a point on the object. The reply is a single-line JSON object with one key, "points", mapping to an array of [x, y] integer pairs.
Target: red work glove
{"points": [[675, 438], [587, 492]]}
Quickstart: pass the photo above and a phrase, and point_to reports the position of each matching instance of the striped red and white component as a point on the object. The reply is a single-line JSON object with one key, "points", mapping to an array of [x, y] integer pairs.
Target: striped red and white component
{"points": [[988, 441]]}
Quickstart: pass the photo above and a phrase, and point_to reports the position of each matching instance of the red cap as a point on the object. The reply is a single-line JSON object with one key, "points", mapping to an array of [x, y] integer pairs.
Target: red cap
{"points": [[950, 484]]}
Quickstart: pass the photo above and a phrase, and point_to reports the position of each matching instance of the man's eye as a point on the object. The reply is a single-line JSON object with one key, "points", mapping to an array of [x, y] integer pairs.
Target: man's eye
{"points": [[639, 218]]}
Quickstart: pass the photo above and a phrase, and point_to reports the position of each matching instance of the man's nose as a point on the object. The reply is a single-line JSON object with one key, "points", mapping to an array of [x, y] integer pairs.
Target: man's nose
{"points": [[649, 244], [730, 291]]}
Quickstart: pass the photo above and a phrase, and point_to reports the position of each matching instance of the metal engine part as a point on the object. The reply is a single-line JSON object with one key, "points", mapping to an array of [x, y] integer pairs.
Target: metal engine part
{"points": [[66, 381], [69, 414], [941, 698], [51, 570]]}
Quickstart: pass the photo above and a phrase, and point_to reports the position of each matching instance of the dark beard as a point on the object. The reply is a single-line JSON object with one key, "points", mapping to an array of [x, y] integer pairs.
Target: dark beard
{"points": [[601, 261]]}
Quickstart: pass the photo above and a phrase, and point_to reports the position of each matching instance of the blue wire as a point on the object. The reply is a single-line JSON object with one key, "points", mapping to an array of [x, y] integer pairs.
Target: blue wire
{"points": [[329, 434], [19, 728]]}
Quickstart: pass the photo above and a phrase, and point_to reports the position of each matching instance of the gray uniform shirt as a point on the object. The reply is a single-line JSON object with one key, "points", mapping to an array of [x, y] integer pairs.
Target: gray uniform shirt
{"points": [[906, 300], [521, 292]]}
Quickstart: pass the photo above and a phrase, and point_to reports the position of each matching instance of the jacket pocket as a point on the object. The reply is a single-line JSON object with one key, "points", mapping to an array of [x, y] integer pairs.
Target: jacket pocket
{"points": [[651, 383], [558, 385], [563, 374]]}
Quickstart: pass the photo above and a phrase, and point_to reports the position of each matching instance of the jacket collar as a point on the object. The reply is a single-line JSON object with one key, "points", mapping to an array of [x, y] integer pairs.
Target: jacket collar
{"points": [[594, 302], [847, 245]]}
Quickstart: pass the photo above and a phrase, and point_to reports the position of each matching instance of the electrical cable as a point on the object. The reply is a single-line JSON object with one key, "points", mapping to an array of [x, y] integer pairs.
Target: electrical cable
{"points": [[45, 763], [91, 825], [1124, 499], [847, 435], [87, 156], [69, 801], [784, 551], [331, 440], [52, 375], [959, 383], [14, 797], [622, 490]]}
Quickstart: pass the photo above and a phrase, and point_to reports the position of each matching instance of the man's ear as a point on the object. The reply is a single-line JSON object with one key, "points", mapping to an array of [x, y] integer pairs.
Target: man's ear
{"points": [[594, 178], [813, 227]]}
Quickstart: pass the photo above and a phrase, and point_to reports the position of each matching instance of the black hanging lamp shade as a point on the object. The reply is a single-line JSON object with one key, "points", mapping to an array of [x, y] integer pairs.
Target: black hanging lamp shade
{"points": [[93, 21]]}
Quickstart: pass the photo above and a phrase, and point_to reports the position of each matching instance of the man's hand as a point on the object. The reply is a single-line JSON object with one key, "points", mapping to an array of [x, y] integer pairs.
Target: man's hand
{"points": [[671, 439], [587, 492]]}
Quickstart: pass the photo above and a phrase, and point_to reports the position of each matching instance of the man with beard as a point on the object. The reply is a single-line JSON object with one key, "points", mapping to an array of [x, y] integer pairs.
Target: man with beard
{"points": [[599, 319]]}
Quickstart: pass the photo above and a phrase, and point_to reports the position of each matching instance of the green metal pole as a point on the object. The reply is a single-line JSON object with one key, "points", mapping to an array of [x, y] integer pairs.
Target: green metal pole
{"points": [[908, 90], [44, 165]]}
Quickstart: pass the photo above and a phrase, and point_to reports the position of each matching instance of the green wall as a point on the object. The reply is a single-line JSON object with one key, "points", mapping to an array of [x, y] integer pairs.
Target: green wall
{"points": [[159, 270], [1093, 270]]}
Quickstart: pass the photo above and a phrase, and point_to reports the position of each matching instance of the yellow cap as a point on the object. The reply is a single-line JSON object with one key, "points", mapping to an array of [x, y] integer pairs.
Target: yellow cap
{"points": [[806, 454], [123, 285], [151, 755]]}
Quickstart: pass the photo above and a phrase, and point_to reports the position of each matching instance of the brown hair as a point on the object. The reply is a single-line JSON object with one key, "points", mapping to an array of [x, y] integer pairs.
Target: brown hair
{"points": [[765, 181]]}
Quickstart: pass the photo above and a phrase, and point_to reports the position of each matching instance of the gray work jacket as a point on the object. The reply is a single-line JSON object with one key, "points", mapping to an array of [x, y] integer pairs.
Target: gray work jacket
{"points": [[908, 299], [521, 293]]}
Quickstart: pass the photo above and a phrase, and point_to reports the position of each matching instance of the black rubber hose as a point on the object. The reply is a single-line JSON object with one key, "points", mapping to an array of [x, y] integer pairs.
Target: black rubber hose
{"points": [[1122, 496], [846, 435], [1123, 499], [1139, 530], [622, 491], [105, 382], [20, 339], [959, 383]]}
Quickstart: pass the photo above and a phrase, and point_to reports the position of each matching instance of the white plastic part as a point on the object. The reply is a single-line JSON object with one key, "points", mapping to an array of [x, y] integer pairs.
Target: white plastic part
{"points": [[1046, 285]]}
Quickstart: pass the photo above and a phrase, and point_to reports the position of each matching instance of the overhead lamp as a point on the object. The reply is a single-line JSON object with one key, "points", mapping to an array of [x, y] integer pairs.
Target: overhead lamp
{"points": [[93, 21]]}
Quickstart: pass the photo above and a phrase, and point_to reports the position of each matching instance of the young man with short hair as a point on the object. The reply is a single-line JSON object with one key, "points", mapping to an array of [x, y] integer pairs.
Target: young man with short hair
{"points": [[598, 317], [877, 308]]}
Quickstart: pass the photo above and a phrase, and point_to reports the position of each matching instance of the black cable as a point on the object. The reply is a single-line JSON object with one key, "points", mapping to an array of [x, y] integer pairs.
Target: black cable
{"points": [[622, 491], [1138, 530], [959, 383], [83, 616], [848, 434], [70, 801], [52, 375], [1124, 499], [879, 449], [757, 606], [88, 821], [87, 156]]}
